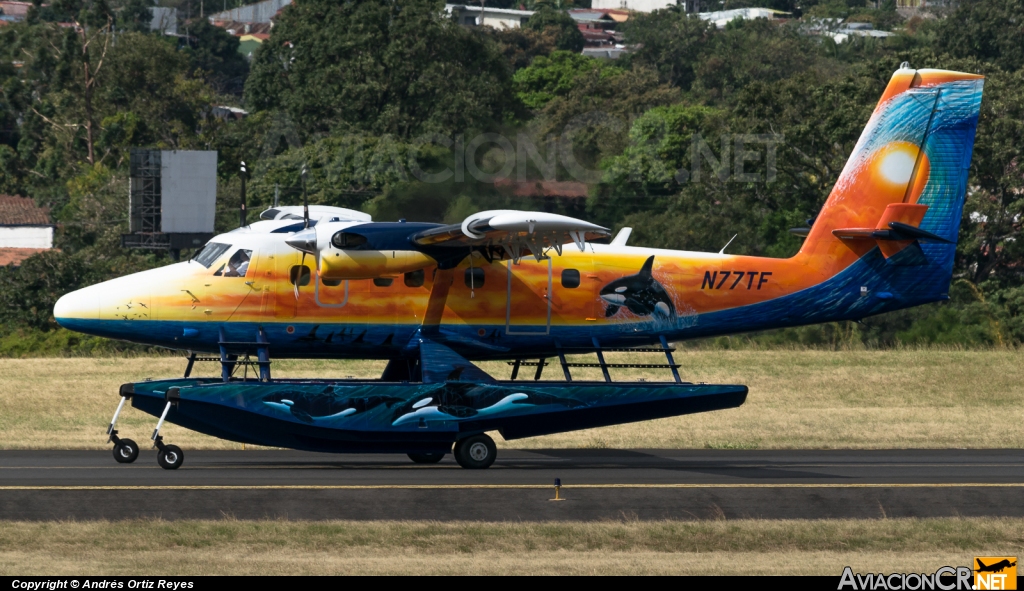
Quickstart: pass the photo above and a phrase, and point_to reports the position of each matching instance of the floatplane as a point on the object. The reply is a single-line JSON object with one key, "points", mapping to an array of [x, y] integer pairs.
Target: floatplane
{"points": [[528, 288]]}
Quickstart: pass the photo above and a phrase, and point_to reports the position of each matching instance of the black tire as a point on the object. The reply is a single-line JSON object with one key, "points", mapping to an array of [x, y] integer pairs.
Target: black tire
{"points": [[476, 452], [427, 458], [126, 451], [170, 457]]}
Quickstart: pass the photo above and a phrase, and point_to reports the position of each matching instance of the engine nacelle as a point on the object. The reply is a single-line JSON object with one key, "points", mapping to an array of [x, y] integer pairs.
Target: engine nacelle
{"points": [[367, 264]]}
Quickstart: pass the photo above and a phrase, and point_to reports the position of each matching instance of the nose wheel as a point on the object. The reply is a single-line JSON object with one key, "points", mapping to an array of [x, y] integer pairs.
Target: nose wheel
{"points": [[126, 451], [169, 457]]}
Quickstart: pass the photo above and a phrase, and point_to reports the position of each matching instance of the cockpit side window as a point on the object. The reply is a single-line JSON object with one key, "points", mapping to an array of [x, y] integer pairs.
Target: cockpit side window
{"points": [[350, 241], [237, 265], [210, 253]]}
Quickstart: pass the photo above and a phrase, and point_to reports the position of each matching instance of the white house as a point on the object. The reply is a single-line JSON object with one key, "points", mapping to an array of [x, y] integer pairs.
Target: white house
{"points": [[25, 229], [643, 5], [498, 18], [261, 12], [723, 17]]}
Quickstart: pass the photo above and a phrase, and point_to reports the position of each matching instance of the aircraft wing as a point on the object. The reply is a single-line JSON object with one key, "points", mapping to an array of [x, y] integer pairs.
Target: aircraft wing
{"points": [[514, 232]]}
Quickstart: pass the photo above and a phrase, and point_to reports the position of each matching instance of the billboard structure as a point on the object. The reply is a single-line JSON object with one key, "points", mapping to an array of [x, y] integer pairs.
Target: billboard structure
{"points": [[172, 199]]}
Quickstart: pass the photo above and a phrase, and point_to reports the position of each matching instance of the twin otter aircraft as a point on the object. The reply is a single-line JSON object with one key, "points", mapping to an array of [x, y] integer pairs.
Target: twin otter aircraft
{"points": [[525, 287]]}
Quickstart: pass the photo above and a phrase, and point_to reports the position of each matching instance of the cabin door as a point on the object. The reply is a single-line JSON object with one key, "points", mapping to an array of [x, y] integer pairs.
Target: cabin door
{"points": [[232, 289], [528, 297], [574, 290], [265, 286]]}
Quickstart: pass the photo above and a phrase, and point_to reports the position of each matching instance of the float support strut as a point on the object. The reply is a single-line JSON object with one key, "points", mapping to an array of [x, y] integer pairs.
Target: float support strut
{"points": [[600, 359], [671, 362], [263, 355], [565, 365]]}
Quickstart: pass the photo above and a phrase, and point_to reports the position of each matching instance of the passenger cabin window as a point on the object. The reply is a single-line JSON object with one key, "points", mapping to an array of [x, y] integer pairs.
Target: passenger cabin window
{"points": [[414, 278], [331, 282], [474, 278], [383, 281], [299, 275], [350, 241], [210, 253], [570, 278], [237, 265]]}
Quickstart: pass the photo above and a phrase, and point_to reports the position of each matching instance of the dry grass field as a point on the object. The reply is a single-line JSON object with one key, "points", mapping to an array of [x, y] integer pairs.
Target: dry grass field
{"points": [[710, 547], [927, 398]]}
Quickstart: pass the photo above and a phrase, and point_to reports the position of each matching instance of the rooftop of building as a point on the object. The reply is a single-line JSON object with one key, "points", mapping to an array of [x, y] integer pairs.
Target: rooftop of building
{"points": [[22, 211]]}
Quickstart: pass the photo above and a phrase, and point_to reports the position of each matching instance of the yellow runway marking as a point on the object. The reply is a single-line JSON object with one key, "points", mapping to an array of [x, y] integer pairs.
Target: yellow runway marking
{"points": [[510, 486]]}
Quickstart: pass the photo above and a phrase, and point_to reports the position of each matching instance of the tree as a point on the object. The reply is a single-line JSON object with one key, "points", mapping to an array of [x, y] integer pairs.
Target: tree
{"points": [[215, 53], [379, 67], [135, 16], [569, 37], [670, 42], [988, 30], [991, 243], [521, 45], [548, 77]]}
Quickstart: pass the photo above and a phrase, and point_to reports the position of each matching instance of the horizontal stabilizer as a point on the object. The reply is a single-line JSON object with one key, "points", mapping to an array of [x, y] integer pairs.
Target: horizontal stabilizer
{"points": [[901, 231], [896, 231]]}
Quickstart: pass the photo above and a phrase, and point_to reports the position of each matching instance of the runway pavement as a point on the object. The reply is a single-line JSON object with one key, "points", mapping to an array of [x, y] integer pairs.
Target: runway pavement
{"points": [[597, 485]]}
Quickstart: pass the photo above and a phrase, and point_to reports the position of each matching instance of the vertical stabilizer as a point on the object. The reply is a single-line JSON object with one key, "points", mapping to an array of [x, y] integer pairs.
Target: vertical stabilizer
{"points": [[905, 183]]}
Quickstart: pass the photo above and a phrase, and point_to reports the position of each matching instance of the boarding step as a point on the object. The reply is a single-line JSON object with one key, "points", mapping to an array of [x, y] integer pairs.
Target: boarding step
{"points": [[619, 365], [574, 350], [242, 344]]}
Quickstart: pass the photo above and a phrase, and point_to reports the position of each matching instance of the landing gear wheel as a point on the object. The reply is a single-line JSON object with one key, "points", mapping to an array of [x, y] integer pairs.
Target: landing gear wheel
{"points": [[170, 457], [476, 452], [427, 458], [126, 451]]}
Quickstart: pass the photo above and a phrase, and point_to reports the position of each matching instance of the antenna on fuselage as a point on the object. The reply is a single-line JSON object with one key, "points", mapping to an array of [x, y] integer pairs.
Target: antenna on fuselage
{"points": [[727, 244], [244, 175], [305, 198]]}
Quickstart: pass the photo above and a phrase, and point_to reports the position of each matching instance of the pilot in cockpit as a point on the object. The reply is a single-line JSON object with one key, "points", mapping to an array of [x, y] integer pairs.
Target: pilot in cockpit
{"points": [[237, 266]]}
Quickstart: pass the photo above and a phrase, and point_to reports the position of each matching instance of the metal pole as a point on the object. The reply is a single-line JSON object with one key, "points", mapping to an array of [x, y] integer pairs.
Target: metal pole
{"points": [[305, 199], [243, 174]]}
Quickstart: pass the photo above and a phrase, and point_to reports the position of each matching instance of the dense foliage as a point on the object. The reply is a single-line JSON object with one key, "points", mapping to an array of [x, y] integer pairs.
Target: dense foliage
{"points": [[380, 99]]}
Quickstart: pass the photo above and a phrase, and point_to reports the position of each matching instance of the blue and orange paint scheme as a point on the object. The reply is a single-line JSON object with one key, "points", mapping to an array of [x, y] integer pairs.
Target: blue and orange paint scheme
{"points": [[352, 288]]}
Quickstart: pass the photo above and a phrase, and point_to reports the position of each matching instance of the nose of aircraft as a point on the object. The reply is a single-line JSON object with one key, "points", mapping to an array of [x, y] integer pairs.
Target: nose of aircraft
{"points": [[83, 304]]}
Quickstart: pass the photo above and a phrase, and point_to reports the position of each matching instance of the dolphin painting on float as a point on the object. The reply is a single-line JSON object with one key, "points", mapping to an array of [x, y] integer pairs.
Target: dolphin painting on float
{"points": [[641, 294], [461, 400], [310, 408]]}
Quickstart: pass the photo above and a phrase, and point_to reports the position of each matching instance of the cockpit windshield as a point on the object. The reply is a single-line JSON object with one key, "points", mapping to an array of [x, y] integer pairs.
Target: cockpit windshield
{"points": [[210, 253], [237, 265]]}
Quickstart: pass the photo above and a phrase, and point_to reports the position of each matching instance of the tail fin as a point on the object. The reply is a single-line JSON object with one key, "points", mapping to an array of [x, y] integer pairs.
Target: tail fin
{"points": [[905, 183]]}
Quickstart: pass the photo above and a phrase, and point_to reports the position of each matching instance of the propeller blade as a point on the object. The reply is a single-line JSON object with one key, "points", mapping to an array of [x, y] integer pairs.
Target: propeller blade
{"points": [[298, 279]]}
